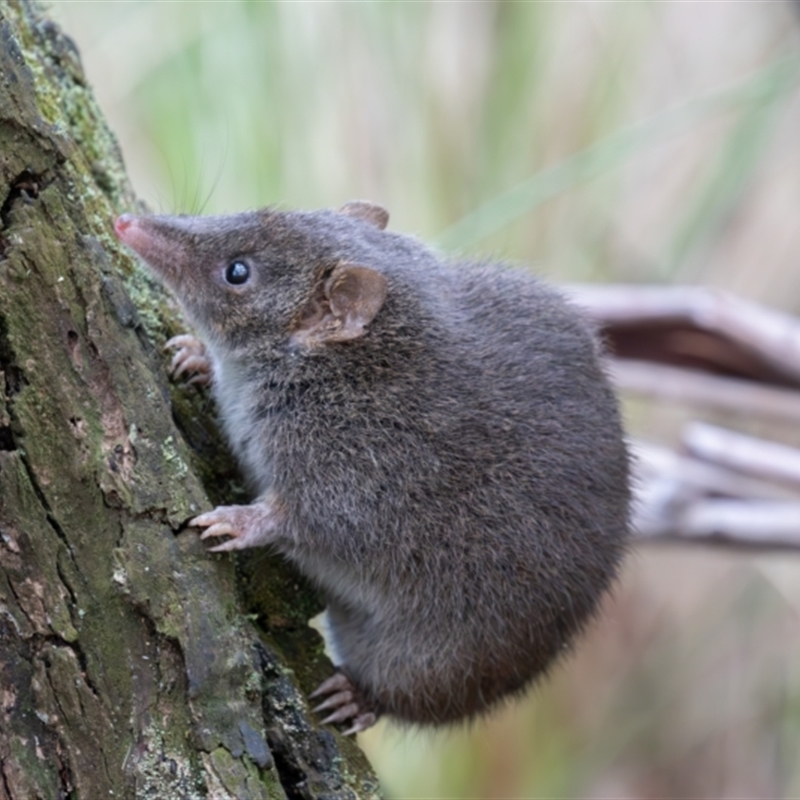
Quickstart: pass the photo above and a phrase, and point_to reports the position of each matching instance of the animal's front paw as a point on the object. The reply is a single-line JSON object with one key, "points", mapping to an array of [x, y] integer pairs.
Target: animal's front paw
{"points": [[248, 526], [191, 357], [346, 704]]}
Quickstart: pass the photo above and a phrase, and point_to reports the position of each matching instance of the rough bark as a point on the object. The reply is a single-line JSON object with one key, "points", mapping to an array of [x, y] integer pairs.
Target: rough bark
{"points": [[132, 663]]}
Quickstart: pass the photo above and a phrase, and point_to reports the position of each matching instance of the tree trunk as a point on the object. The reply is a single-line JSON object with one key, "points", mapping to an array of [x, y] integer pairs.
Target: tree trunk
{"points": [[129, 664]]}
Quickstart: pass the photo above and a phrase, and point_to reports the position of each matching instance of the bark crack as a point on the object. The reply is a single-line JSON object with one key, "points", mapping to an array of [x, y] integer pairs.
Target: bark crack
{"points": [[14, 381], [11, 383], [48, 513], [64, 775], [303, 761], [6, 787], [67, 585], [49, 516], [6, 438], [59, 641], [64, 712], [26, 186], [84, 665], [21, 605]]}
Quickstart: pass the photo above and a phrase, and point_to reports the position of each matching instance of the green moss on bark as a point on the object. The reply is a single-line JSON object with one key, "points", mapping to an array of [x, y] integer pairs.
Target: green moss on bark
{"points": [[125, 655]]}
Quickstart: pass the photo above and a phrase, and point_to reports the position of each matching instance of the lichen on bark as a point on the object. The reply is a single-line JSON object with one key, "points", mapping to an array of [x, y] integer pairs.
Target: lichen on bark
{"points": [[130, 664]]}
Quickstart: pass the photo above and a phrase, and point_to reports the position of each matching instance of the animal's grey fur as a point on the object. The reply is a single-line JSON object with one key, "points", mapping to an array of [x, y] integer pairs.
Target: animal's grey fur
{"points": [[455, 479]]}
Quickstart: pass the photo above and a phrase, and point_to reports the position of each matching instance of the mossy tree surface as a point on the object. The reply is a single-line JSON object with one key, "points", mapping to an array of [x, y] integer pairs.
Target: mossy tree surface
{"points": [[128, 664]]}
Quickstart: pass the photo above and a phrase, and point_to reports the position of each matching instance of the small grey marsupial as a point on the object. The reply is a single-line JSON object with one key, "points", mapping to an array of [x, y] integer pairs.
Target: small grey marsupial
{"points": [[434, 444]]}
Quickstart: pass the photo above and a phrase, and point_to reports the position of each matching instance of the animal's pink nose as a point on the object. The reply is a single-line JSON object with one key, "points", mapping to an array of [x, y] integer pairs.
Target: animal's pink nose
{"points": [[124, 221]]}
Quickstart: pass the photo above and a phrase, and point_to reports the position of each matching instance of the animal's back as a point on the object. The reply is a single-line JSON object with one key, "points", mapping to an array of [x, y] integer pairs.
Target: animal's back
{"points": [[510, 513]]}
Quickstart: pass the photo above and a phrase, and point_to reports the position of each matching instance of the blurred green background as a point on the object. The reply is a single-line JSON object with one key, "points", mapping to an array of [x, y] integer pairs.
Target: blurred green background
{"points": [[602, 141]]}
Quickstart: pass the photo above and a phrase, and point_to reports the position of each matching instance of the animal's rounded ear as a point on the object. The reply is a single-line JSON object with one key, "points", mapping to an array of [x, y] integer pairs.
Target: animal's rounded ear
{"points": [[343, 307], [370, 212], [355, 295]]}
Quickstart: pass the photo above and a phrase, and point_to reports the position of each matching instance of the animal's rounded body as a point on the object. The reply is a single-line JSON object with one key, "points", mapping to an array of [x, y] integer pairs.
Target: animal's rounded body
{"points": [[435, 445]]}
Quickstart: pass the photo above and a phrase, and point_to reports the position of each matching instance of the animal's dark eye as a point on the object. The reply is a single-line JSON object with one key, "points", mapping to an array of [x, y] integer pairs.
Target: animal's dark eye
{"points": [[237, 273]]}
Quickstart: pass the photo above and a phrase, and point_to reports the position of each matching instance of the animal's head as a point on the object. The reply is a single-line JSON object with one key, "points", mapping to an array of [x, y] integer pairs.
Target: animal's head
{"points": [[303, 279]]}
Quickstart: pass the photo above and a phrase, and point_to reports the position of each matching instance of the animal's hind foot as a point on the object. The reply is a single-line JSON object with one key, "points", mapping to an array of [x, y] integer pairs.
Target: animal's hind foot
{"points": [[345, 703]]}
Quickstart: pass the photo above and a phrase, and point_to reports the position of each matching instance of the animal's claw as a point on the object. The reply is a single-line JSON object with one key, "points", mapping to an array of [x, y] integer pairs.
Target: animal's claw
{"points": [[248, 526], [335, 700], [191, 357], [347, 703], [361, 723], [336, 683], [341, 714]]}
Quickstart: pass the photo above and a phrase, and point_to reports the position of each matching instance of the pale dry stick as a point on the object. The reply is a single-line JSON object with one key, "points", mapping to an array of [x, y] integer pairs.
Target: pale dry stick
{"points": [[746, 454], [666, 484], [700, 388], [682, 498], [758, 524], [651, 461], [663, 513], [731, 489], [771, 335]]}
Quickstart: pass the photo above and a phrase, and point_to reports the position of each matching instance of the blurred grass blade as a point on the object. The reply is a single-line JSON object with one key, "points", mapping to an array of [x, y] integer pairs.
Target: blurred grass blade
{"points": [[770, 82], [728, 173]]}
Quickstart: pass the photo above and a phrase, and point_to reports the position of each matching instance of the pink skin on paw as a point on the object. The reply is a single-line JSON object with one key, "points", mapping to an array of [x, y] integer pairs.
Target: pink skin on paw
{"points": [[345, 702], [191, 357], [248, 526]]}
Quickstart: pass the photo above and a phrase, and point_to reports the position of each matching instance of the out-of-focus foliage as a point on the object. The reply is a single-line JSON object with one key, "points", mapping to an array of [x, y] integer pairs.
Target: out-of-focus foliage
{"points": [[629, 141]]}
